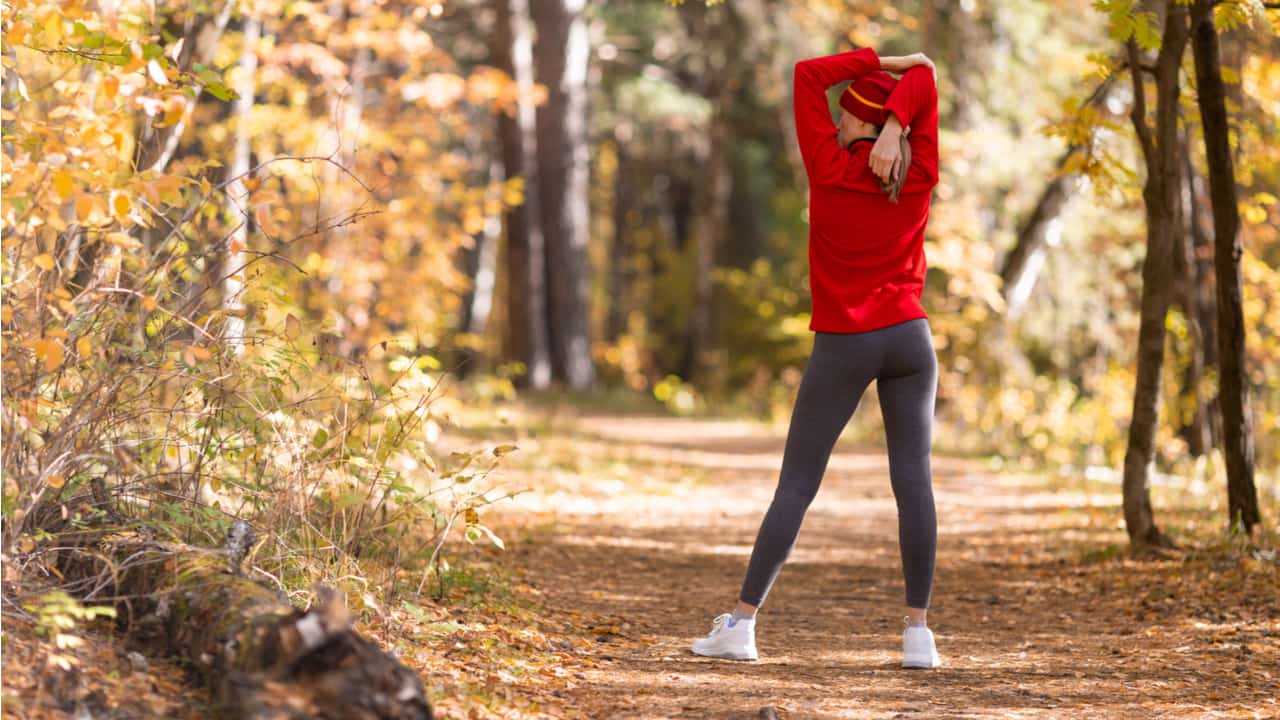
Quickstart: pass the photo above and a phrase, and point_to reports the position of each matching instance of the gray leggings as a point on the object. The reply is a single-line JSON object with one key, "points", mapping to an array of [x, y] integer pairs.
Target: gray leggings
{"points": [[900, 358]]}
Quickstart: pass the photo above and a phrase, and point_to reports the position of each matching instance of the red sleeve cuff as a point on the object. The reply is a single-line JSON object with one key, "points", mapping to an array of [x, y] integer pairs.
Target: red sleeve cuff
{"points": [[874, 59]]}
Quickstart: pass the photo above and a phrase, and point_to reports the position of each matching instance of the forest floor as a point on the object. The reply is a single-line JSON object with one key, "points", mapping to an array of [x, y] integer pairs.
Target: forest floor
{"points": [[629, 533], [636, 531]]}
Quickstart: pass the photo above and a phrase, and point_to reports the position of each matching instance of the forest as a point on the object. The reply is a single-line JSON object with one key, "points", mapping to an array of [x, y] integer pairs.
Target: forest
{"points": [[436, 358]]}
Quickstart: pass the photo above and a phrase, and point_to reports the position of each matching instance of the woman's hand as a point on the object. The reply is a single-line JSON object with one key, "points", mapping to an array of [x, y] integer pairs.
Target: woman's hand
{"points": [[903, 63], [886, 154]]}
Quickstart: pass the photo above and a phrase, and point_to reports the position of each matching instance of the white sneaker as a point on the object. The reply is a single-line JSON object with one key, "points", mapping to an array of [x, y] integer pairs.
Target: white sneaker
{"points": [[731, 642], [918, 649]]}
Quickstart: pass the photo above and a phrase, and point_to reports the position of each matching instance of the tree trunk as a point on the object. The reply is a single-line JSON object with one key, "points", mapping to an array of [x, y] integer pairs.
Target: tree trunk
{"points": [[562, 56], [1206, 292], [345, 110], [527, 340], [728, 41], [1163, 213], [620, 252], [1233, 395], [954, 36], [746, 214], [712, 221], [1043, 229], [480, 266], [233, 266], [1192, 416], [156, 146]]}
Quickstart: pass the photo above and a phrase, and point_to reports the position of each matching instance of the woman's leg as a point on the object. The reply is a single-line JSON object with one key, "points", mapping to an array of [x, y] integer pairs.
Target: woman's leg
{"points": [[836, 375], [907, 388]]}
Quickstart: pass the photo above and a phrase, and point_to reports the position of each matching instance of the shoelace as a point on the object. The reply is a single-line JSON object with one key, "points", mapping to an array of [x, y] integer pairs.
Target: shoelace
{"points": [[720, 620]]}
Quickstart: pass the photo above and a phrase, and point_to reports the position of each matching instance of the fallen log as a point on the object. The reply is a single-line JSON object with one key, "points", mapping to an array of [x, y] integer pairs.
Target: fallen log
{"points": [[263, 658]]}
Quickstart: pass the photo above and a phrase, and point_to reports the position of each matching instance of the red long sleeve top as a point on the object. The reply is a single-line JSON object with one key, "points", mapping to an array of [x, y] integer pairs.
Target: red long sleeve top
{"points": [[866, 254]]}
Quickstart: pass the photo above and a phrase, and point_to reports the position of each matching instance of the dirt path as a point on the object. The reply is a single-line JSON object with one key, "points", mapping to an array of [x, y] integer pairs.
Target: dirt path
{"points": [[638, 530]]}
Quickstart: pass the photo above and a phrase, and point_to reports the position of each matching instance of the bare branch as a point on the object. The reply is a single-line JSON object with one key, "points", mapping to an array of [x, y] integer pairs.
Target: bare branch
{"points": [[1139, 111]]}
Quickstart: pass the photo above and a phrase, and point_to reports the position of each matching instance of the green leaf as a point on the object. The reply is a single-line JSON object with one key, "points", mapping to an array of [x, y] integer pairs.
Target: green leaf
{"points": [[221, 91], [349, 499], [320, 438], [418, 613], [1145, 31]]}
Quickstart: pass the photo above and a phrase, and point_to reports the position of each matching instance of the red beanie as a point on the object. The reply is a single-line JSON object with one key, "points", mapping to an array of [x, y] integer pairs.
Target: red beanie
{"points": [[866, 96]]}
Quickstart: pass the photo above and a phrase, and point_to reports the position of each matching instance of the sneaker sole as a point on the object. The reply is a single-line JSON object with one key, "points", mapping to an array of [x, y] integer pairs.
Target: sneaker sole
{"points": [[729, 656], [924, 664]]}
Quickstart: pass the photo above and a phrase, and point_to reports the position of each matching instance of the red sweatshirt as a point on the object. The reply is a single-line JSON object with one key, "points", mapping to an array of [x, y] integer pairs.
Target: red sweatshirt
{"points": [[866, 254]]}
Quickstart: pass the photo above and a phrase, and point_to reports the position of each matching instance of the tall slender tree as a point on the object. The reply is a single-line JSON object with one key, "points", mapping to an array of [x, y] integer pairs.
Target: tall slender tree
{"points": [[562, 54], [527, 339], [1233, 395], [233, 266], [1160, 193], [1192, 418]]}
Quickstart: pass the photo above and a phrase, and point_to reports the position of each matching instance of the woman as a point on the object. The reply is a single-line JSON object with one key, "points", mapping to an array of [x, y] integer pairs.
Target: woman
{"points": [[867, 214]]}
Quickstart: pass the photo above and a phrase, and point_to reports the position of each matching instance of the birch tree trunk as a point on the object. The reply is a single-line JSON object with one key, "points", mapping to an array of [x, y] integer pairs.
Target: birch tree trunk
{"points": [[234, 258]]}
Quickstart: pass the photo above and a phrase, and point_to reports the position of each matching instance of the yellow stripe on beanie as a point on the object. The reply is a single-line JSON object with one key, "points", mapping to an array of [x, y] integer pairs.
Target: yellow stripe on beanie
{"points": [[865, 101]]}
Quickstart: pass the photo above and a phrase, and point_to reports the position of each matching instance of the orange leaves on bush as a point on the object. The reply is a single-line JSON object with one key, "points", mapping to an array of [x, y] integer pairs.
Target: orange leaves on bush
{"points": [[17, 33], [64, 185], [52, 27], [120, 206], [472, 219], [163, 189], [262, 216], [49, 352], [44, 262], [192, 355], [91, 210]]}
